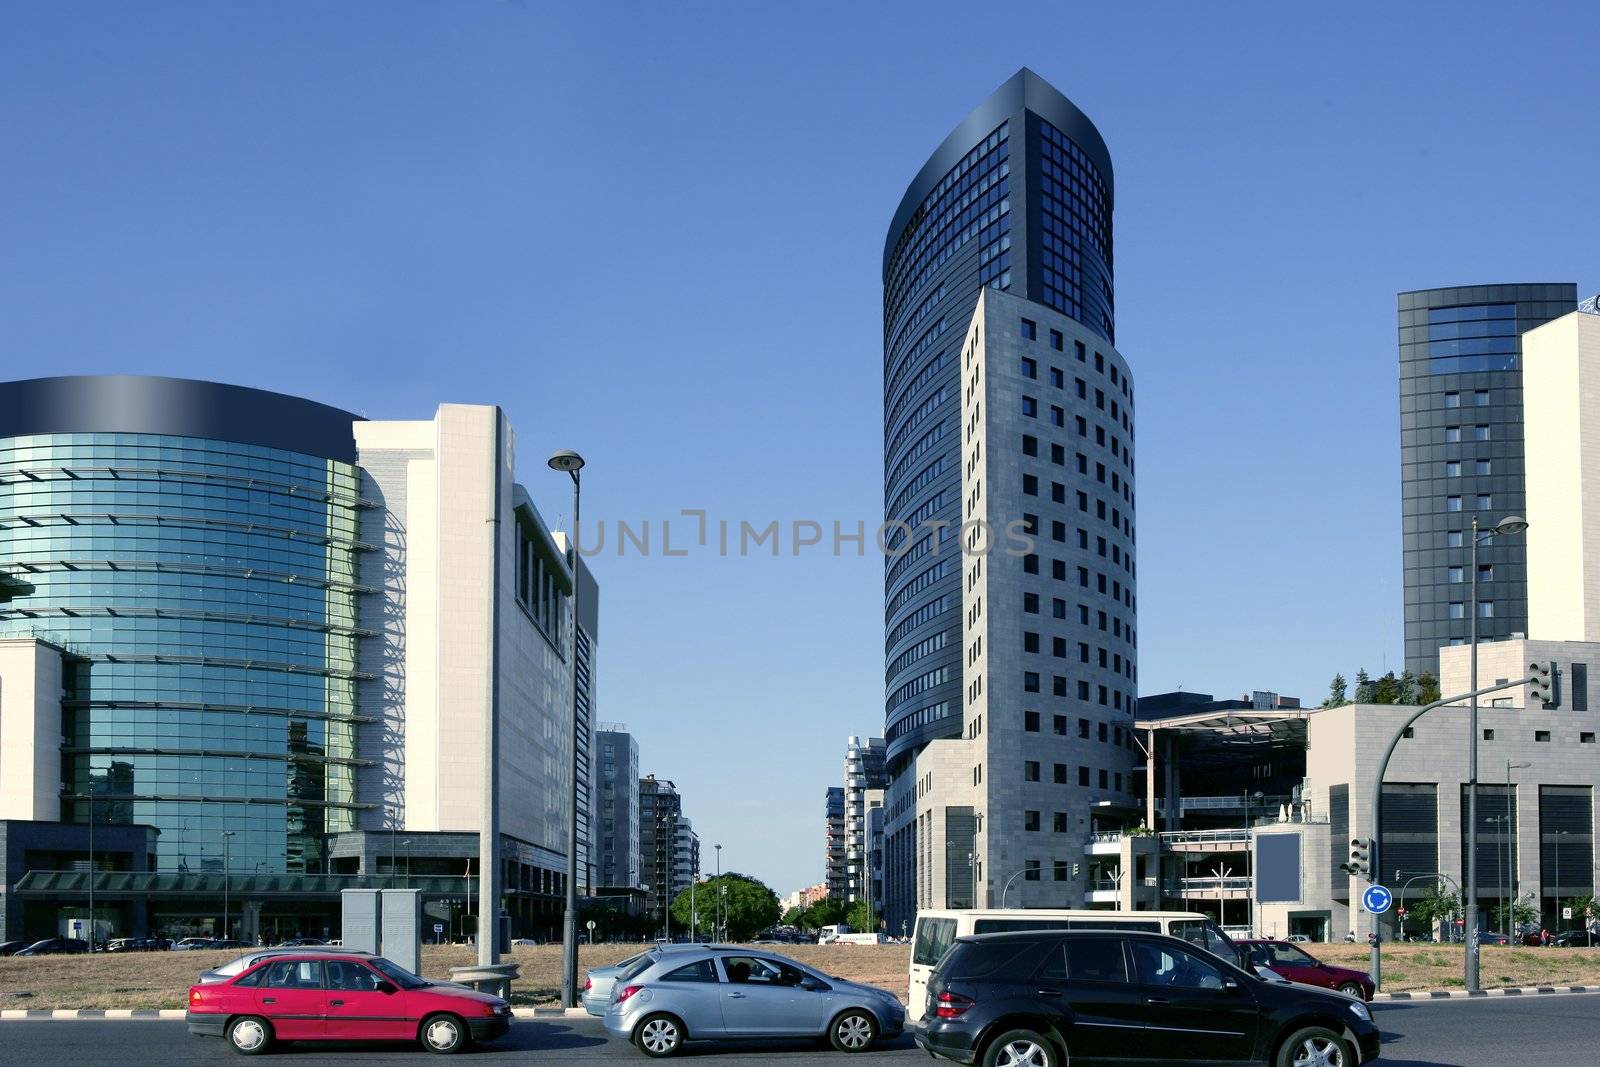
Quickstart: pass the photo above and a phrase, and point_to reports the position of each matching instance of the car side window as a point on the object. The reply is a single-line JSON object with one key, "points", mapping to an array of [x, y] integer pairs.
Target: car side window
{"points": [[1259, 957], [751, 969], [1163, 966], [352, 976], [251, 979], [1096, 959], [294, 974], [698, 971]]}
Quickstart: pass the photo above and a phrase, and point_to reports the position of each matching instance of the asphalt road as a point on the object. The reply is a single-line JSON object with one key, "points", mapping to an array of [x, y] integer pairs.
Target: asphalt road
{"points": [[1547, 1031]]}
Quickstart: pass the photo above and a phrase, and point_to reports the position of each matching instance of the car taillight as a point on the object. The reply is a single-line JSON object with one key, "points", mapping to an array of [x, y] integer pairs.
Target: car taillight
{"points": [[627, 991], [194, 996], [952, 1005], [588, 983]]}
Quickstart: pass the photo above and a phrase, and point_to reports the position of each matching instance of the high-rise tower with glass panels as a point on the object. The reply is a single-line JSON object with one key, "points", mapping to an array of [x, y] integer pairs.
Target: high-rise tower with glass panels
{"points": [[1461, 457], [1008, 677]]}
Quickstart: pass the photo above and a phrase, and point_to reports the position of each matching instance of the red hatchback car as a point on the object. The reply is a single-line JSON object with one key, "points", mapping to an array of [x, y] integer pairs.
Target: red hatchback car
{"points": [[1297, 965], [323, 996]]}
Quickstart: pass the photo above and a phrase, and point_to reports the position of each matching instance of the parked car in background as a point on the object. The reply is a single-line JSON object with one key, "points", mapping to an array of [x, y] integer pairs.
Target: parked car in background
{"points": [[1298, 965], [1493, 939], [667, 998], [1299, 939], [190, 943], [138, 944], [1571, 939], [302, 942], [9, 948], [248, 960], [313, 996], [1050, 998], [54, 946]]}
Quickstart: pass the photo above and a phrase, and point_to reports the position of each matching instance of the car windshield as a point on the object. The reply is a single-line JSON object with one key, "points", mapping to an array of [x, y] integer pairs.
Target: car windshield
{"points": [[397, 974]]}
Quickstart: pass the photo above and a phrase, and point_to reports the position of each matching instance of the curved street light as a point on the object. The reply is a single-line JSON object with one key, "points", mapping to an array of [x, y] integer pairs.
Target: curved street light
{"points": [[570, 462]]}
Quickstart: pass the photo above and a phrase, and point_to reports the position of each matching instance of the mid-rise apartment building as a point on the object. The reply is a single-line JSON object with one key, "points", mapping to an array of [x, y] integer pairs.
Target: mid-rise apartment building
{"points": [[834, 843], [864, 781], [660, 809], [615, 803]]}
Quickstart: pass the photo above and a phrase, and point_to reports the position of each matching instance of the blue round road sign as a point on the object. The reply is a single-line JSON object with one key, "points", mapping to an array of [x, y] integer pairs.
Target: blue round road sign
{"points": [[1377, 899]]}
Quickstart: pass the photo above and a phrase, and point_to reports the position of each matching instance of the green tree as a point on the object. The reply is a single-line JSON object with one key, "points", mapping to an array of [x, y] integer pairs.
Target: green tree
{"points": [[1437, 905], [1336, 693], [1386, 690], [1523, 913], [1364, 687], [748, 906], [861, 918], [793, 916], [825, 912], [1407, 693], [1427, 688]]}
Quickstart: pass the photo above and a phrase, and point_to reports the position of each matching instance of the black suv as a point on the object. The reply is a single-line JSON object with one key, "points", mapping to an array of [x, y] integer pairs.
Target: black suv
{"points": [[1102, 997]]}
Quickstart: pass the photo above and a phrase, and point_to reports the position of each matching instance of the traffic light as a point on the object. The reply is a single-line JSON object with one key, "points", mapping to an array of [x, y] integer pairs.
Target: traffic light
{"points": [[1541, 685], [1074, 870], [1360, 863]]}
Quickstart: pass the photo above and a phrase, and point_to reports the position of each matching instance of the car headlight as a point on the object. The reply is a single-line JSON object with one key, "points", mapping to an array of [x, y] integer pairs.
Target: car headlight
{"points": [[1361, 1012]]}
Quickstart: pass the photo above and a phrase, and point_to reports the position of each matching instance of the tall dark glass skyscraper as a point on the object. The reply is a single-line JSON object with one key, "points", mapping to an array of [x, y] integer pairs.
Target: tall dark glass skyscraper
{"points": [[1461, 457], [1004, 400]]}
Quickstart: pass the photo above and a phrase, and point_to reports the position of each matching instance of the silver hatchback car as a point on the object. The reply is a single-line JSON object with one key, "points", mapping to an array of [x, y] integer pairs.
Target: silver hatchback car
{"points": [[661, 1001]]}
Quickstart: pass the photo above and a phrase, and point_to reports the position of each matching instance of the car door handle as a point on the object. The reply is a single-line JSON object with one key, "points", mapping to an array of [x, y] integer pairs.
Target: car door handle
{"points": [[336, 1003], [269, 1000], [1048, 992], [735, 996], [1157, 1000]]}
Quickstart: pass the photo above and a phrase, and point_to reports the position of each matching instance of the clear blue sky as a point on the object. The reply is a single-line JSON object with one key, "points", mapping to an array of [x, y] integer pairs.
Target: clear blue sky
{"points": [[653, 233]]}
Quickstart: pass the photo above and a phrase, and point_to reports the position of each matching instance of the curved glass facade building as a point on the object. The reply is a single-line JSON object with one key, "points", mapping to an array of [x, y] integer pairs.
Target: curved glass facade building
{"points": [[1018, 198], [193, 548], [1010, 674]]}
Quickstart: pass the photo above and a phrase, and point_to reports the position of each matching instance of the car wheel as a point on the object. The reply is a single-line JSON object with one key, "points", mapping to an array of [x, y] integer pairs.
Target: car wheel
{"points": [[250, 1035], [444, 1034], [1315, 1046], [1352, 989], [853, 1031], [659, 1036], [1022, 1048]]}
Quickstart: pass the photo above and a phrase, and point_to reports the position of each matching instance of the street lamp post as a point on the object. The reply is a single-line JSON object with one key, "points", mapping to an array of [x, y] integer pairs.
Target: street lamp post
{"points": [[91, 861], [1509, 525], [569, 461], [227, 868]]}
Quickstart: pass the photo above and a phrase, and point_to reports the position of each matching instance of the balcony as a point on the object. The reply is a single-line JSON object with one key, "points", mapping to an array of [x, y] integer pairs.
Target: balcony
{"points": [[1233, 839], [1102, 891], [1104, 844], [1229, 888]]}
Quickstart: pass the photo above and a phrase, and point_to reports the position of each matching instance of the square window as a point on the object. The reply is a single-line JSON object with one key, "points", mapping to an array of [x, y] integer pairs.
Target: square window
{"points": [[1059, 823], [1056, 379], [1030, 485], [1586, 738], [1059, 725], [1451, 503], [1030, 871], [1030, 721], [1457, 575], [1056, 340], [1541, 735], [1058, 686], [1485, 501], [1083, 728], [1453, 539], [1058, 608], [1030, 564], [1103, 780], [1030, 771], [1482, 466], [1486, 572], [1030, 681], [1452, 469], [1452, 400], [1458, 610], [1485, 609], [1480, 399], [1060, 770], [1058, 455], [1030, 643], [1080, 350], [1058, 417], [1480, 433], [1083, 776], [1030, 407], [1030, 603], [1030, 445], [1452, 434], [1030, 821], [1030, 368], [1030, 329], [1488, 735]]}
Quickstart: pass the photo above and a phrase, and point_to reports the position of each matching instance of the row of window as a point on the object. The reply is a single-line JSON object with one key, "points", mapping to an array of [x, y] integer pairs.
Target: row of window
{"points": [[1113, 734], [1107, 780], [1031, 681]]}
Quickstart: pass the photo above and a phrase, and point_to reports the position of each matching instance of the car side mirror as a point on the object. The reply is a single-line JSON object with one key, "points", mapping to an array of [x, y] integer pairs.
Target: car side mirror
{"points": [[1230, 984], [813, 985], [387, 987]]}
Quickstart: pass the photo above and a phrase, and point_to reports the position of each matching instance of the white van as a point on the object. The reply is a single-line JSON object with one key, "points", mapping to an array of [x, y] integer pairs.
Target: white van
{"points": [[829, 934], [937, 930]]}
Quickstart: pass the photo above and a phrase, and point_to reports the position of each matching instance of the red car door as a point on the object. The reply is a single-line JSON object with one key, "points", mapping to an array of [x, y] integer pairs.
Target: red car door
{"points": [[292, 998], [358, 1010]]}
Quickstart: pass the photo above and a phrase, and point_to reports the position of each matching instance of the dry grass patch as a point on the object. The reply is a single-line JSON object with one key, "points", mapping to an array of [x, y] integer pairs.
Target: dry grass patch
{"points": [[161, 979]]}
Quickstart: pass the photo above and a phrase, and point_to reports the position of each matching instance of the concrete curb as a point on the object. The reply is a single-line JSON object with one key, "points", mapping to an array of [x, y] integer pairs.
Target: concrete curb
{"points": [[1462, 994]]}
